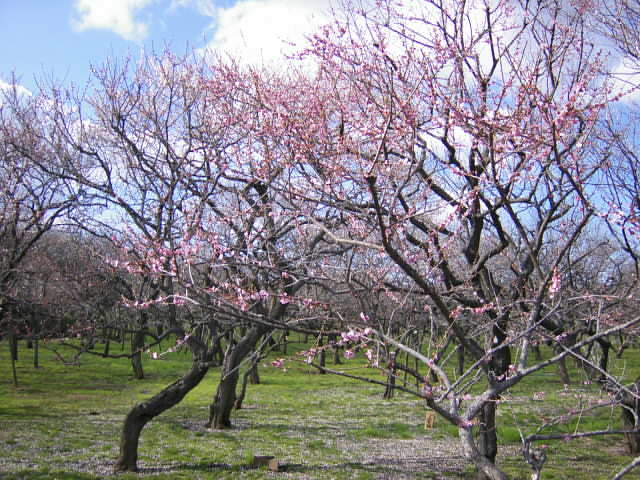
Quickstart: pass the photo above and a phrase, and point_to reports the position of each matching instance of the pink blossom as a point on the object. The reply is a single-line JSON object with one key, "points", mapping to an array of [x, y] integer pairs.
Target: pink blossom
{"points": [[350, 336], [372, 357], [555, 283], [349, 354], [538, 396], [284, 298], [427, 391], [278, 363], [463, 423]]}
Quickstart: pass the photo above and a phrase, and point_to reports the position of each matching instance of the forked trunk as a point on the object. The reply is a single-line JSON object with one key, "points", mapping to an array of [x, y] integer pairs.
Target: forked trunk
{"points": [[225, 397], [487, 428], [486, 467]]}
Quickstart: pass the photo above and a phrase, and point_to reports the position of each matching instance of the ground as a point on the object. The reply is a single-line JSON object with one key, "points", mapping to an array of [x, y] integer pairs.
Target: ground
{"points": [[64, 422]]}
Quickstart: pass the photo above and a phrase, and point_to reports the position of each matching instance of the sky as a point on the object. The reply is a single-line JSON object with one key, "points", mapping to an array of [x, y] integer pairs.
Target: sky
{"points": [[61, 39]]}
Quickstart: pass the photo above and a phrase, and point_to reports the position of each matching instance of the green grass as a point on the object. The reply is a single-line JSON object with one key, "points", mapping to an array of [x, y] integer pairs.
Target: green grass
{"points": [[64, 422]]}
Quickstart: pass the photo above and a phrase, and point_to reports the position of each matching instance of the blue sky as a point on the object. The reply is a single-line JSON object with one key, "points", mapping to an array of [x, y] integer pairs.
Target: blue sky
{"points": [[62, 38]]}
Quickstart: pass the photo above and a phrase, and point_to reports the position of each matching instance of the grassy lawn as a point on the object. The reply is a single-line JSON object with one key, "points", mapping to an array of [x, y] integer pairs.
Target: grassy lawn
{"points": [[63, 422]]}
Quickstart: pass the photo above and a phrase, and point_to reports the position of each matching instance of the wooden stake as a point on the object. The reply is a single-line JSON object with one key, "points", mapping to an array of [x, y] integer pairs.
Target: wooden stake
{"points": [[429, 420]]}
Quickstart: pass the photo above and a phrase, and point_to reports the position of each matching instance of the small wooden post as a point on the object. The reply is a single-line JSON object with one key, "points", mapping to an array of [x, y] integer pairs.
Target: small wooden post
{"points": [[429, 420], [273, 466], [262, 460]]}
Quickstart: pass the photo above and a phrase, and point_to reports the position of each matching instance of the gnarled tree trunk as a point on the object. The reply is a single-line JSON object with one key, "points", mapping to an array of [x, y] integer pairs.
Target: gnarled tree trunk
{"points": [[143, 412]]}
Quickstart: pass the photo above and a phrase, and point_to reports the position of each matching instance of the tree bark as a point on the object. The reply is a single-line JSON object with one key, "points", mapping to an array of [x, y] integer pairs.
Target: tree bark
{"points": [[631, 409], [604, 359], [137, 343], [243, 391], [225, 397], [499, 366], [13, 346], [323, 355], [563, 372], [14, 371], [460, 366], [333, 340], [487, 438], [537, 354], [254, 376], [391, 377], [484, 465], [285, 342], [143, 412], [36, 353]]}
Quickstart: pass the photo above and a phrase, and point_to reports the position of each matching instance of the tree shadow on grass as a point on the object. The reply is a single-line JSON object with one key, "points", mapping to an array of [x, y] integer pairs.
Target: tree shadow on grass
{"points": [[376, 470], [190, 467], [380, 471], [49, 475]]}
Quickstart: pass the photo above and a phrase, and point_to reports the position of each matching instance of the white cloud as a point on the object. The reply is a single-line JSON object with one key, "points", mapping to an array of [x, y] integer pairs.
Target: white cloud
{"points": [[119, 16], [626, 80], [262, 31], [6, 89], [203, 7]]}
